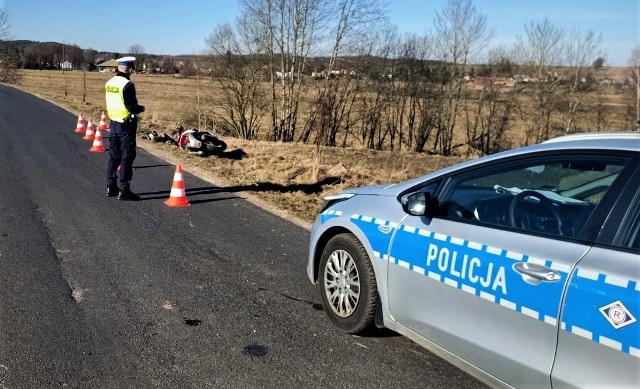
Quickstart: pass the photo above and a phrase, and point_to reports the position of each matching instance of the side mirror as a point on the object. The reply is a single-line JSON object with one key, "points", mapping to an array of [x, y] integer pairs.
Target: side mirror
{"points": [[419, 204]]}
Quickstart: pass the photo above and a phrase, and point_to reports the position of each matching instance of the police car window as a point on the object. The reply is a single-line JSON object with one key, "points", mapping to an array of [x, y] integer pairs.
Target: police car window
{"points": [[430, 188], [630, 234], [554, 196]]}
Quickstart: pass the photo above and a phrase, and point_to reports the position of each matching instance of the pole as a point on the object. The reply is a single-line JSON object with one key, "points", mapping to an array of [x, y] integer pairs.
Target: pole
{"points": [[63, 68], [638, 94]]}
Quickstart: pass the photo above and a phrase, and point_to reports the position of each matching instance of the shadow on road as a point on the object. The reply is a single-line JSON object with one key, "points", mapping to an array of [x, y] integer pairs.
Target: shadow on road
{"points": [[257, 187], [150, 166], [271, 187]]}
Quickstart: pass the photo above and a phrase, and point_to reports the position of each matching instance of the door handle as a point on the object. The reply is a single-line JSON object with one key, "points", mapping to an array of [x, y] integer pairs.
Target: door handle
{"points": [[534, 274]]}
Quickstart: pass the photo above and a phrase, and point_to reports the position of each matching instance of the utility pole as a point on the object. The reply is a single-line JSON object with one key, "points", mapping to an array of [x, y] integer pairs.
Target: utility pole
{"points": [[63, 69]]}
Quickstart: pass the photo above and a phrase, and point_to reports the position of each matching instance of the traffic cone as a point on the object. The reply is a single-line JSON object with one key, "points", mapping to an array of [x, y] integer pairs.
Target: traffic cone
{"points": [[97, 143], [89, 135], [80, 126], [177, 197], [103, 122]]}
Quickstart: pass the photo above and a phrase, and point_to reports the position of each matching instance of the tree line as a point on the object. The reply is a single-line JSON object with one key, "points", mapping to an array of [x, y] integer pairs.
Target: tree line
{"points": [[52, 56], [337, 73], [381, 90]]}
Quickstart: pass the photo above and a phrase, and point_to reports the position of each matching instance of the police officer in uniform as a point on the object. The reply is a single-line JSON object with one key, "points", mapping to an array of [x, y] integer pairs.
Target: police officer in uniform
{"points": [[123, 111]]}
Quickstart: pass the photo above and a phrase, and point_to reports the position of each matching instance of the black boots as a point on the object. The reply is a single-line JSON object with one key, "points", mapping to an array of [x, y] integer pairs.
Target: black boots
{"points": [[128, 195], [124, 195], [112, 191]]}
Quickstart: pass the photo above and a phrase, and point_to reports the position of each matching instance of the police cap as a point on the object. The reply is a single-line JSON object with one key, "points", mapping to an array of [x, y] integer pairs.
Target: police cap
{"points": [[126, 61]]}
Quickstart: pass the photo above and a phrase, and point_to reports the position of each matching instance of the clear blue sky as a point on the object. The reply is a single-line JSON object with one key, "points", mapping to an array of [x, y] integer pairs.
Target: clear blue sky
{"points": [[181, 26]]}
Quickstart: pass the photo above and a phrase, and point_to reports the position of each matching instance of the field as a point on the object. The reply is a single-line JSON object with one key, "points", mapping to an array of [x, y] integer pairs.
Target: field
{"points": [[287, 178]]}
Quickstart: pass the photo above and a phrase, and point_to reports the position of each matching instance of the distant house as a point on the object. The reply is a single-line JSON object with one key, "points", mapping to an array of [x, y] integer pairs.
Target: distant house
{"points": [[317, 75], [486, 81], [108, 66], [606, 81], [332, 73], [282, 76]]}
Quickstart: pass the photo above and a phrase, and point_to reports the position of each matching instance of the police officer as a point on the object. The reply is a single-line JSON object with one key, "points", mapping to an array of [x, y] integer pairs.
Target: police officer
{"points": [[123, 111]]}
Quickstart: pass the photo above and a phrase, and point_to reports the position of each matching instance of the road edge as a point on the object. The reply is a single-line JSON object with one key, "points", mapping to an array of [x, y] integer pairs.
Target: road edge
{"points": [[201, 174]]}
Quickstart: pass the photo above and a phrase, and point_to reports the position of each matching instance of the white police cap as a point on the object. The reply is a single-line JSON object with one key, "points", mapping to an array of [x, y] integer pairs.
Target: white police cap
{"points": [[124, 61]]}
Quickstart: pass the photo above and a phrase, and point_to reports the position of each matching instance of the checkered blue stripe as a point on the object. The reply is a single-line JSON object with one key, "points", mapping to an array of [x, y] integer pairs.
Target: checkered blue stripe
{"points": [[539, 302], [328, 215], [588, 292]]}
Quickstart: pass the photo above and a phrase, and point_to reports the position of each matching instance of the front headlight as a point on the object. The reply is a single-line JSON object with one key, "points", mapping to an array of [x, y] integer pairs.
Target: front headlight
{"points": [[331, 200]]}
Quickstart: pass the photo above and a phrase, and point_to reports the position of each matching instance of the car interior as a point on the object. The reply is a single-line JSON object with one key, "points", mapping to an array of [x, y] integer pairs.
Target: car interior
{"points": [[554, 199], [532, 211]]}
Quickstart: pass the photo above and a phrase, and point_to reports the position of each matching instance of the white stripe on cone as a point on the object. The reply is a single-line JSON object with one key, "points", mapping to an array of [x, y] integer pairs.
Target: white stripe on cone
{"points": [[177, 192]]}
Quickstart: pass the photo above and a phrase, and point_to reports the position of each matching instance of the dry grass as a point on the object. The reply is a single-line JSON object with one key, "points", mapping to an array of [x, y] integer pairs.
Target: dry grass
{"points": [[283, 177]]}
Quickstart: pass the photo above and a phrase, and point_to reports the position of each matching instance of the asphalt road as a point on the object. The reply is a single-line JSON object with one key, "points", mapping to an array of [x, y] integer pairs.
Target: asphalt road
{"points": [[100, 293]]}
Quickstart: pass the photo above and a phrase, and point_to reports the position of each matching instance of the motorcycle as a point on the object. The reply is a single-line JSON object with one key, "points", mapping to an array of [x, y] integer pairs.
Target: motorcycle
{"points": [[198, 142]]}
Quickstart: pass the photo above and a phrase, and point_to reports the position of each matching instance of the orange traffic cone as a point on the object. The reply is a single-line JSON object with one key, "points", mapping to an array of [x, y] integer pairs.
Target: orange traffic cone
{"points": [[80, 125], [97, 143], [177, 197], [103, 122], [89, 135]]}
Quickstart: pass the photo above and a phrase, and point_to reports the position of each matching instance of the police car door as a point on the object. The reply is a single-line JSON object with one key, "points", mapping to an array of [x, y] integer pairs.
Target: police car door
{"points": [[485, 276], [599, 345]]}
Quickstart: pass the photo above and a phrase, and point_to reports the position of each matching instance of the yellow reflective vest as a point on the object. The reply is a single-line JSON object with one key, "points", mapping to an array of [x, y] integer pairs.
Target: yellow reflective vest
{"points": [[116, 110]]}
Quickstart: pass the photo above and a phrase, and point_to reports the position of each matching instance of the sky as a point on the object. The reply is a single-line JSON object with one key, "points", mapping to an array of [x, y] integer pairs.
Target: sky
{"points": [[175, 27]]}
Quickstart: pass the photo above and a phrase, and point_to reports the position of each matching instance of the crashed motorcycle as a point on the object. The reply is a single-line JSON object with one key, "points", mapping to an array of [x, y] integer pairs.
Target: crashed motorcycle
{"points": [[198, 142]]}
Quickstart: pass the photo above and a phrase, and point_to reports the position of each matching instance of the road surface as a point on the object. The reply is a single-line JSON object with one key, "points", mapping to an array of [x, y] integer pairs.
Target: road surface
{"points": [[100, 293]]}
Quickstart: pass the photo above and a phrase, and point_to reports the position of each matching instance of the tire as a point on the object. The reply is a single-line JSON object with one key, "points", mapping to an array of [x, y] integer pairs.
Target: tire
{"points": [[347, 282], [216, 147]]}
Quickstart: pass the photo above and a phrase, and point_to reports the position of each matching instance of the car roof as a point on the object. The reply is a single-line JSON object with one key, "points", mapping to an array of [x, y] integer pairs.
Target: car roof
{"points": [[619, 140], [606, 141], [634, 136]]}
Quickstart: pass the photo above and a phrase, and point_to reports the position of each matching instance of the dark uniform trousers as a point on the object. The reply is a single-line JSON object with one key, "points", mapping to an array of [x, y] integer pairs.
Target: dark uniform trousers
{"points": [[122, 152]]}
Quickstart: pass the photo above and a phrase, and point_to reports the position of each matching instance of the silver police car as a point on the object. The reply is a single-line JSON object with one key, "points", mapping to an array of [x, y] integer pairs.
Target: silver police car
{"points": [[522, 268]]}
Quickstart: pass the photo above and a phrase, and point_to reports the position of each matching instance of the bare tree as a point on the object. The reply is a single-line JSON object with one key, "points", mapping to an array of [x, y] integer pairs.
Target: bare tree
{"points": [[89, 57], [337, 90], [9, 56], [460, 34], [409, 73], [417, 102], [541, 48], [4, 24], [238, 71], [540, 52], [602, 112], [376, 95], [500, 61], [286, 29], [354, 22], [581, 50], [488, 117], [138, 51]]}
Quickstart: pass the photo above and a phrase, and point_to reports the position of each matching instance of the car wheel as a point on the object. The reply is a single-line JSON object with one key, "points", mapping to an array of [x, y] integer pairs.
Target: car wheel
{"points": [[347, 284]]}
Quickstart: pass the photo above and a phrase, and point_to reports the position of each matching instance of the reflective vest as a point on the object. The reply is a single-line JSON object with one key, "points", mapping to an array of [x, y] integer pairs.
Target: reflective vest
{"points": [[114, 96]]}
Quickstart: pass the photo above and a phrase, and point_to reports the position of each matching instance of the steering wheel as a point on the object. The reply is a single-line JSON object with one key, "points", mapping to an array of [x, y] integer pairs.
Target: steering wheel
{"points": [[544, 201]]}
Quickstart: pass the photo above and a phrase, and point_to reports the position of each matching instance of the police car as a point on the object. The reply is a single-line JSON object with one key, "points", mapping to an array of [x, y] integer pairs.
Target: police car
{"points": [[522, 268]]}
